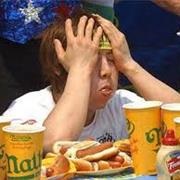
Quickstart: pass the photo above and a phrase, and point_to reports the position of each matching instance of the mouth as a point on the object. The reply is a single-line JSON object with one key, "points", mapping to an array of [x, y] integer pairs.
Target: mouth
{"points": [[106, 91]]}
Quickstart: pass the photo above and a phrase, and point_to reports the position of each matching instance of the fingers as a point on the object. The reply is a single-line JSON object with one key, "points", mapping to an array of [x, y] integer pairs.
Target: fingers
{"points": [[59, 49], [97, 35], [109, 28], [81, 26], [84, 30], [89, 28], [69, 30]]}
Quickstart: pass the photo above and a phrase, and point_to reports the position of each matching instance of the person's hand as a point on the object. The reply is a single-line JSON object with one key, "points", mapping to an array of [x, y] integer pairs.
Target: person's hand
{"points": [[120, 49], [82, 49]]}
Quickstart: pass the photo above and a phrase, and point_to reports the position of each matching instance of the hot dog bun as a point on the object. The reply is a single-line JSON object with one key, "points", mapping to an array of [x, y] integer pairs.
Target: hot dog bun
{"points": [[103, 165], [58, 145], [123, 145], [82, 165], [63, 146], [103, 155]]}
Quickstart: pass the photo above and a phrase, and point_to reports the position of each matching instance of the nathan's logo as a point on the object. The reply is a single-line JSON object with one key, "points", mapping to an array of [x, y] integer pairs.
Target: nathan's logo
{"points": [[164, 128], [22, 138], [130, 127], [2, 157], [154, 136], [14, 165], [2, 151]]}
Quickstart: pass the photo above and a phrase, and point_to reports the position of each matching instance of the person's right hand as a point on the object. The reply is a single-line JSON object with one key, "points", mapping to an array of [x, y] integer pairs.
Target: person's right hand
{"points": [[82, 49], [120, 49]]}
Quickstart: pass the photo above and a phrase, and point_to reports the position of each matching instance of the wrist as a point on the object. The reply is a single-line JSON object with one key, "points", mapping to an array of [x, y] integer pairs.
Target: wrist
{"points": [[130, 68], [80, 72]]}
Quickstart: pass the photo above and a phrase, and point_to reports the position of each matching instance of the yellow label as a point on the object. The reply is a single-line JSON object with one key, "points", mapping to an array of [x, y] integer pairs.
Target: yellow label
{"points": [[24, 154], [2, 152]]}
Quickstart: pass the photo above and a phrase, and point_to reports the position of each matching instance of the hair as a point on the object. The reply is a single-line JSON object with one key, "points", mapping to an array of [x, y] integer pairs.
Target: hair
{"points": [[53, 71]]}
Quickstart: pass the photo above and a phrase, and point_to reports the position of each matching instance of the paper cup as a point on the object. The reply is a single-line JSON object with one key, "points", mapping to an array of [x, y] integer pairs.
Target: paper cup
{"points": [[3, 122], [24, 144], [177, 127], [168, 113], [143, 124]]}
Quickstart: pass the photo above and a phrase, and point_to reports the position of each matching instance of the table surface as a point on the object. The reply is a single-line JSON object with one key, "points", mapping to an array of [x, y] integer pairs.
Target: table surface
{"points": [[117, 178]]}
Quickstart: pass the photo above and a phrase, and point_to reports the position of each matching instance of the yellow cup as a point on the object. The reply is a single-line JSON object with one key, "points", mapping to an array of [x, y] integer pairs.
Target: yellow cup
{"points": [[168, 113], [177, 127], [3, 122], [23, 145], [143, 124]]}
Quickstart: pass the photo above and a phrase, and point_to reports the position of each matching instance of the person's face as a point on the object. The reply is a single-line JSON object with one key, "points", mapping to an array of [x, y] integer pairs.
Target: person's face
{"points": [[104, 80]]}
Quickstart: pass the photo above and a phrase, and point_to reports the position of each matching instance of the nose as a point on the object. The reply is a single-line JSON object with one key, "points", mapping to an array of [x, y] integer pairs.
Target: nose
{"points": [[105, 69]]}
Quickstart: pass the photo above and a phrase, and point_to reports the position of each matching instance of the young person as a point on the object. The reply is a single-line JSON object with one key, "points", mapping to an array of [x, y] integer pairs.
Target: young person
{"points": [[83, 100]]}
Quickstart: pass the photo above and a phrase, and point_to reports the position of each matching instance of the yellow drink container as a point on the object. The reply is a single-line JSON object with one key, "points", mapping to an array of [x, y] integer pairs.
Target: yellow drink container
{"points": [[168, 113], [177, 127], [24, 147], [143, 124], [3, 122]]}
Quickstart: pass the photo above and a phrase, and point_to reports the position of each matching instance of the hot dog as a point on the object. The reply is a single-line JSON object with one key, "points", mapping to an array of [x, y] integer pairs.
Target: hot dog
{"points": [[103, 165], [61, 165], [69, 147], [123, 145], [115, 164], [103, 155], [83, 165], [63, 146], [93, 149], [117, 158]]}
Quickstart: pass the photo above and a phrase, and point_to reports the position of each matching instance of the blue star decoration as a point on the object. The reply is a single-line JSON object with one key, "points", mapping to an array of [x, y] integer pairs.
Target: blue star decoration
{"points": [[21, 20]]}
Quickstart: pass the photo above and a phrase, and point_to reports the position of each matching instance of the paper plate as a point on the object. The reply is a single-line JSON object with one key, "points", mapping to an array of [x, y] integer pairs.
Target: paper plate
{"points": [[103, 172], [62, 176]]}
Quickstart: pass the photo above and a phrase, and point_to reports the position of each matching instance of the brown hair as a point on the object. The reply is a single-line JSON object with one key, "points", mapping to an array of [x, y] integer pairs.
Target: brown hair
{"points": [[53, 71]]}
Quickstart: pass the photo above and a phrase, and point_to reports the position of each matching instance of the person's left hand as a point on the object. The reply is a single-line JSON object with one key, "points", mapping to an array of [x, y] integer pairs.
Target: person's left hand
{"points": [[82, 49], [120, 49]]}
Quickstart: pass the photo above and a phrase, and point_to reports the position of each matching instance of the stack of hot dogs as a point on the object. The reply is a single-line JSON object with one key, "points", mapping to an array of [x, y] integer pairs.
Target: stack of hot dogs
{"points": [[89, 156]]}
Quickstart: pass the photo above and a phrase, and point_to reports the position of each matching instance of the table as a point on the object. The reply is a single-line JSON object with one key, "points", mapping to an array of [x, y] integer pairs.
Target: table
{"points": [[117, 178]]}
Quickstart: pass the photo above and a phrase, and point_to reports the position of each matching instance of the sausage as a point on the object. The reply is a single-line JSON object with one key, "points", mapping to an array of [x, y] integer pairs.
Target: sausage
{"points": [[63, 149], [93, 150], [117, 158], [61, 165], [115, 164], [49, 172]]}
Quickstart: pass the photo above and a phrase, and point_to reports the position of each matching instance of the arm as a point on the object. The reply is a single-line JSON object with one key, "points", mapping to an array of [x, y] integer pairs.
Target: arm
{"points": [[67, 119], [170, 5], [148, 86]]}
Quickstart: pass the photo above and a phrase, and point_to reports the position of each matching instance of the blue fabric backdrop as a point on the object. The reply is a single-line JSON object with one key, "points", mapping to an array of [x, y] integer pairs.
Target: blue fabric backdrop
{"points": [[151, 34]]}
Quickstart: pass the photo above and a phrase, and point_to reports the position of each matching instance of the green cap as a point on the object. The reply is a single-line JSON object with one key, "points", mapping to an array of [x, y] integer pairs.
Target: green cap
{"points": [[100, 8]]}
